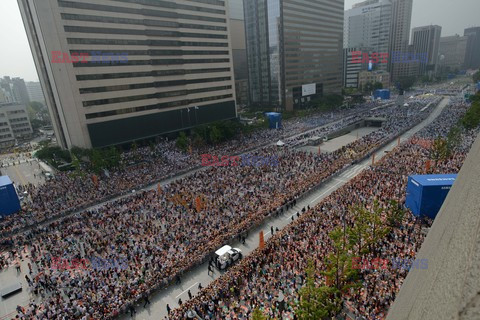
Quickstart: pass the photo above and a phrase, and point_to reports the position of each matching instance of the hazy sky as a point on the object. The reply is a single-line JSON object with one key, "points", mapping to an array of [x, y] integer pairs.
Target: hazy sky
{"points": [[16, 59]]}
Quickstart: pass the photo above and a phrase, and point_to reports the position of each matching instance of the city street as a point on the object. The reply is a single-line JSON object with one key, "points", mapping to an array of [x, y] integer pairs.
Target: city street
{"points": [[190, 281]]}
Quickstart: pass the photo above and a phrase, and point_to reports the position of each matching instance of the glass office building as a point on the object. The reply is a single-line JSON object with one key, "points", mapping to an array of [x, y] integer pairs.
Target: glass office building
{"points": [[293, 45]]}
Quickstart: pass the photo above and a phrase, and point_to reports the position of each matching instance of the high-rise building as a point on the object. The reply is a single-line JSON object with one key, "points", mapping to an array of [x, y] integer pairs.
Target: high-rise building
{"points": [[380, 76], [165, 66], [14, 123], [425, 41], [472, 56], [352, 65], [452, 52], [239, 50], [367, 24], [15, 90], [293, 50], [399, 37], [35, 92]]}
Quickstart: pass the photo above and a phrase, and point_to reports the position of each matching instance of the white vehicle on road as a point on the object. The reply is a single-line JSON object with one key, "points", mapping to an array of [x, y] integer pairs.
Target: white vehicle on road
{"points": [[226, 256]]}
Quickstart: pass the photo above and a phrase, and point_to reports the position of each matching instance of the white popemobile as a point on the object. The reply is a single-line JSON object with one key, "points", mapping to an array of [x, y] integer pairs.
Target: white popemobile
{"points": [[226, 256]]}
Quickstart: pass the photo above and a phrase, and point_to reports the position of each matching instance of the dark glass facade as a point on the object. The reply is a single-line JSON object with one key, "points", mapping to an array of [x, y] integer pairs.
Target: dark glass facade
{"points": [[291, 43]]}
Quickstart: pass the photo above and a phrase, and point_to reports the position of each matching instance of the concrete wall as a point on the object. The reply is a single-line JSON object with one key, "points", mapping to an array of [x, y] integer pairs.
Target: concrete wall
{"points": [[450, 287]]}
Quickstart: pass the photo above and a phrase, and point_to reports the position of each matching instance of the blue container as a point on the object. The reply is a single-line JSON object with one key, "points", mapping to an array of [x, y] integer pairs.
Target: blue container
{"points": [[274, 120], [426, 193], [9, 202], [383, 94]]}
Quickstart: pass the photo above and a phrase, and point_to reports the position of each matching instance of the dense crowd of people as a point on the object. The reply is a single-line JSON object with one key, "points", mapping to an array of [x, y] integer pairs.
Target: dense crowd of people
{"points": [[161, 238], [270, 279], [143, 166]]}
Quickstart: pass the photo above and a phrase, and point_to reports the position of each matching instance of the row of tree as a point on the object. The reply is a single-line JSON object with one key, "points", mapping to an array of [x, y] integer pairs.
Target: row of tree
{"points": [[349, 242], [80, 160], [214, 133], [442, 148]]}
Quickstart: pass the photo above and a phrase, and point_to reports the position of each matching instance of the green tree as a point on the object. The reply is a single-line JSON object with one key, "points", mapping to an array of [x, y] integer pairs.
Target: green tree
{"points": [[471, 119], [368, 229], [476, 76], [396, 214], [377, 85], [378, 230], [339, 262], [182, 141], [358, 233], [215, 135], [112, 158], [97, 160], [76, 165], [258, 315], [440, 149], [406, 82], [368, 87], [454, 137], [316, 302]]}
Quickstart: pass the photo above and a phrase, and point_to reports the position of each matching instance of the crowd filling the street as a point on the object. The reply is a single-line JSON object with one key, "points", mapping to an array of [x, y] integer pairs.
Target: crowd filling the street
{"points": [[146, 240]]}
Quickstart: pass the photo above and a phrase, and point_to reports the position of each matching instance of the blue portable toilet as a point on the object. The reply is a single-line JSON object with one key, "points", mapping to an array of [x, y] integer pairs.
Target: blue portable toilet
{"points": [[9, 202], [426, 193], [274, 120]]}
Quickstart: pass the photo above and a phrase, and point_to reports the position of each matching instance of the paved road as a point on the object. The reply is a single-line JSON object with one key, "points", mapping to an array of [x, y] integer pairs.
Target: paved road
{"points": [[24, 173], [22, 176], [198, 275], [157, 309]]}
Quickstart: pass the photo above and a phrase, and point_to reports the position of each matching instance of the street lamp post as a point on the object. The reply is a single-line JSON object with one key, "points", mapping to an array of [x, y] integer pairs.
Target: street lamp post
{"points": [[196, 119]]}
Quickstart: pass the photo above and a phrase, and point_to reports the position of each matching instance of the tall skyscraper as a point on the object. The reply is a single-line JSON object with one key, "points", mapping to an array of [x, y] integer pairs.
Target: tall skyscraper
{"points": [[35, 92], [472, 57], [451, 52], [352, 67], [367, 24], [399, 36], [239, 50], [425, 41], [294, 50], [165, 66], [15, 90]]}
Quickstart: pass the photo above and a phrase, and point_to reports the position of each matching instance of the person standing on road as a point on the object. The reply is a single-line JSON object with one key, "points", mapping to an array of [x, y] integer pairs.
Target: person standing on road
{"points": [[132, 310], [147, 301], [210, 270], [168, 309], [189, 295]]}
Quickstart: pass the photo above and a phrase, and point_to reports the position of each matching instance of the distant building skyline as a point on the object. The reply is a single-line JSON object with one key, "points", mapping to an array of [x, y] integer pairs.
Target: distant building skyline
{"points": [[35, 92], [290, 58], [472, 56], [239, 49], [453, 49], [427, 39], [368, 25], [400, 36]]}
